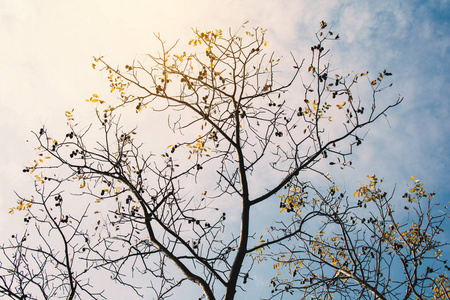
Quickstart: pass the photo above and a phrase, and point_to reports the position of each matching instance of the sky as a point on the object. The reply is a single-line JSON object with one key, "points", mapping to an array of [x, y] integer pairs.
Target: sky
{"points": [[47, 48]]}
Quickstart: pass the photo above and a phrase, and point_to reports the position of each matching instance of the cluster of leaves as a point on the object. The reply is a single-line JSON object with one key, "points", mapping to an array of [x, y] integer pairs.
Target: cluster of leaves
{"points": [[365, 248]]}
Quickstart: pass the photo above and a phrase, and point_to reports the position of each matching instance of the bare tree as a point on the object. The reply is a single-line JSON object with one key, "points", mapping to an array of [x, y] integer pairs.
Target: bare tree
{"points": [[235, 124], [39, 263]]}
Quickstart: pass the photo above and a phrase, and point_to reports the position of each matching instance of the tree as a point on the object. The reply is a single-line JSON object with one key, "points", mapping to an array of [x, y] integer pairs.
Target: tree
{"points": [[137, 213], [363, 249]]}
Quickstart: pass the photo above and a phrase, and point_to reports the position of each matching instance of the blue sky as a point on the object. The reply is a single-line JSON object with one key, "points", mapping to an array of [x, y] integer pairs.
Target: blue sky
{"points": [[47, 47]]}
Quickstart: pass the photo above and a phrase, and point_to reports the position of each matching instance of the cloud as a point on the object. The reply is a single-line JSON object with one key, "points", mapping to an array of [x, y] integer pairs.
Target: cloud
{"points": [[47, 47]]}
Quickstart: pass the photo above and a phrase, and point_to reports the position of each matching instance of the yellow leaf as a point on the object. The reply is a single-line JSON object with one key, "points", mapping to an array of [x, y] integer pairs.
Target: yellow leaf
{"points": [[93, 66], [373, 82], [412, 178], [112, 89], [95, 95], [265, 44]]}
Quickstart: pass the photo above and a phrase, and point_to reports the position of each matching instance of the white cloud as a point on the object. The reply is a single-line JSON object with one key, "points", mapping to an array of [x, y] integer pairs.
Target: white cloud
{"points": [[47, 46]]}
